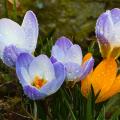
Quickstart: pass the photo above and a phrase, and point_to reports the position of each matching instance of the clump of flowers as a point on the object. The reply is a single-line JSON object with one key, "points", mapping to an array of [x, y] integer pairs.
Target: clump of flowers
{"points": [[104, 78], [41, 76]]}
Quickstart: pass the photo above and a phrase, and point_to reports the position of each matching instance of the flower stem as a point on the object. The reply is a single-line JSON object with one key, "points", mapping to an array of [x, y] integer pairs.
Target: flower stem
{"points": [[68, 105], [35, 110], [15, 10], [6, 10]]}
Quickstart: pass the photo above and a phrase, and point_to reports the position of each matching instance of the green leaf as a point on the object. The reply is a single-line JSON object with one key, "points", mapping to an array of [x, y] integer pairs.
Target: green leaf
{"points": [[90, 105], [68, 105], [101, 115], [115, 115]]}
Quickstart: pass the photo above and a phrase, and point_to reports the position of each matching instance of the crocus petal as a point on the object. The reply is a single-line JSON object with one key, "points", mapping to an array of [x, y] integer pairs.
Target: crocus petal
{"points": [[58, 54], [86, 68], [2, 45], [33, 93], [64, 43], [115, 88], [30, 27], [104, 76], [52, 86], [42, 67], [22, 65], [10, 33], [104, 28], [108, 27], [116, 41], [102, 79], [53, 60], [99, 30], [86, 82], [115, 14], [73, 71], [87, 57], [10, 55], [74, 54], [60, 49], [77, 72]]}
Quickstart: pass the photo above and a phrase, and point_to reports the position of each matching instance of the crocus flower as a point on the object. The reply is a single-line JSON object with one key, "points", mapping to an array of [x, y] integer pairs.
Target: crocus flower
{"points": [[38, 76], [103, 79], [108, 33], [71, 57], [15, 39]]}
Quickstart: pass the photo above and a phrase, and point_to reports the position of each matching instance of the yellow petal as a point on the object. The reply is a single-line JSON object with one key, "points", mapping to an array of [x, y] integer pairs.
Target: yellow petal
{"points": [[87, 57], [86, 83], [104, 76], [115, 88]]}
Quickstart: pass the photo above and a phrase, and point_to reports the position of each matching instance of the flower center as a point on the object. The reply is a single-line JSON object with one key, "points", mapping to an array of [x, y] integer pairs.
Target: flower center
{"points": [[38, 82]]}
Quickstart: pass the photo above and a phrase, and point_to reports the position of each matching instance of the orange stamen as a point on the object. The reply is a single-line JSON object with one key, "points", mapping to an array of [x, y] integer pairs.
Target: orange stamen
{"points": [[38, 82]]}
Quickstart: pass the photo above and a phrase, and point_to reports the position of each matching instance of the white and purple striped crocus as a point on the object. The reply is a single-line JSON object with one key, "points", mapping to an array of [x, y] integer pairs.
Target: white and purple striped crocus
{"points": [[71, 57], [15, 39], [108, 33], [38, 76]]}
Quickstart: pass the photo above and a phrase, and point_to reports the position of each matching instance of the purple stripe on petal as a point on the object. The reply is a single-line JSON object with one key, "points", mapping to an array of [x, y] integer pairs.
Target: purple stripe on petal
{"points": [[22, 64], [10, 55], [86, 68], [33, 93], [53, 60], [52, 86], [24, 60], [64, 43]]}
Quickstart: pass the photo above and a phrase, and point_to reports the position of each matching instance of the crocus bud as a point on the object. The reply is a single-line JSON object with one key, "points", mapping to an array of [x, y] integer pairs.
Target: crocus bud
{"points": [[108, 33]]}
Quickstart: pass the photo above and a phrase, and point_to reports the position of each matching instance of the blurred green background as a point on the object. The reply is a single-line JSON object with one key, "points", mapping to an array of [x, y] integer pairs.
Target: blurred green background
{"points": [[74, 19]]}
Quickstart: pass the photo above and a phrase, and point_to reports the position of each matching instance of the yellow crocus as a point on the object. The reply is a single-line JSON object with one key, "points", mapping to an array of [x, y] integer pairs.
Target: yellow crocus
{"points": [[103, 78]]}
